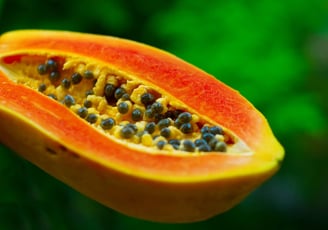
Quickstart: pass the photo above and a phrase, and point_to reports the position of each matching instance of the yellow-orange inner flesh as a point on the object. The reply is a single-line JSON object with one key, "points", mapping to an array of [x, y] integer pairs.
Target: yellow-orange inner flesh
{"points": [[122, 107]]}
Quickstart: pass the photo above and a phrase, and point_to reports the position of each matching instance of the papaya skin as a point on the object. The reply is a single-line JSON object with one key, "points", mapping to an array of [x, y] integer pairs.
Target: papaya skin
{"points": [[157, 187]]}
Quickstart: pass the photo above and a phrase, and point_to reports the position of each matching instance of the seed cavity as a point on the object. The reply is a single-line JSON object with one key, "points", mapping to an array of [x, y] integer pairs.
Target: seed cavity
{"points": [[125, 108]]}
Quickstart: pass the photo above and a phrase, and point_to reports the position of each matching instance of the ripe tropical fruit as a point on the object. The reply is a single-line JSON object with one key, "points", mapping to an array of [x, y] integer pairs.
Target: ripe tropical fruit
{"points": [[131, 126]]}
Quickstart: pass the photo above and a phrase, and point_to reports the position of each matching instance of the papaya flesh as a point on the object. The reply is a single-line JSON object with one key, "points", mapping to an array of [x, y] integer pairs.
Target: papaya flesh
{"points": [[131, 126]]}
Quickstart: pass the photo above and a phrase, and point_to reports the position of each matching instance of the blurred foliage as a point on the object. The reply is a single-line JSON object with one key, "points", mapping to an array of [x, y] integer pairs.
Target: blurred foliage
{"points": [[274, 52]]}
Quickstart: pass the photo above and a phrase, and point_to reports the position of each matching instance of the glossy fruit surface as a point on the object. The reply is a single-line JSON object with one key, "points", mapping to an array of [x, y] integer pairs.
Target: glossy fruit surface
{"points": [[149, 181]]}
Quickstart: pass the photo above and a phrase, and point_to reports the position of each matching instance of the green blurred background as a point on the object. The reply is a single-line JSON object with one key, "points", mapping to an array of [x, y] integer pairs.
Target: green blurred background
{"points": [[275, 52]]}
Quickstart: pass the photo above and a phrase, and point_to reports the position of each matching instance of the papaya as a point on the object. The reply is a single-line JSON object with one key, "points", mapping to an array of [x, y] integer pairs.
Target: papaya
{"points": [[131, 126]]}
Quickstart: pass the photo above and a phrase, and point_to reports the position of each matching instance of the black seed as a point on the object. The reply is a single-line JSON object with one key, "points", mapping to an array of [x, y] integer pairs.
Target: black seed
{"points": [[53, 96], [207, 137], [88, 74], [157, 107], [69, 100], [119, 92], [92, 118], [149, 113], [189, 145], [205, 129], [123, 107], [109, 91], [150, 127], [186, 128], [161, 144], [107, 123], [89, 92], [204, 148], [54, 76], [166, 132], [65, 83], [147, 98], [174, 142], [216, 130], [51, 65], [184, 117], [87, 103], [163, 123], [42, 87], [220, 146], [125, 96], [76, 78], [177, 123], [132, 126], [158, 117], [42, 69], [199, 142], [137, 115], [127, 132], [82, 112]]}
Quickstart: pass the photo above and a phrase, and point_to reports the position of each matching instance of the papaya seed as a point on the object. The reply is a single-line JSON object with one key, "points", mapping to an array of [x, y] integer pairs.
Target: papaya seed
{"points": [[65, 83], [207, 137], [184, 117], [119, 92], [186, 128], [42, 69], [87, 103], [125, 97], [54, 76], [216, 130], [42, 87], [107, 123], [88, 74], [199, 142], [82, 112], [188, 145], [69, 100], [127, 132], [150, 127], [220, 147], [149, 113], [147, 98], [165, 132], [76, 78], [52, 65], [204, 148], [92, 118], [161, 144], [137, 115], [109, 90], [157, 107], [163, 123], [123, 107]]}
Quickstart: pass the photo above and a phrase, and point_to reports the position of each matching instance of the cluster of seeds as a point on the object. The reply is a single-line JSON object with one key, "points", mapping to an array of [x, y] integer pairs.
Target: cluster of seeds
{"points": [[125, 108]]}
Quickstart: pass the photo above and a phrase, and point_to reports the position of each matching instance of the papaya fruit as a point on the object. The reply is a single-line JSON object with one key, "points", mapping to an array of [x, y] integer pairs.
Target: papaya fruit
{"points": [[131, 126]]}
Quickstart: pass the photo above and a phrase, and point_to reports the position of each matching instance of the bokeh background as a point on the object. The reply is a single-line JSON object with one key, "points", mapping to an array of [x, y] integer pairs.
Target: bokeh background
{"points": [[275, 52]]}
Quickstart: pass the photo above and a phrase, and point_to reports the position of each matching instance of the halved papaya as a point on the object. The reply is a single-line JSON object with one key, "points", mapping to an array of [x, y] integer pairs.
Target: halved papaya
{"points": [[133, 127]]}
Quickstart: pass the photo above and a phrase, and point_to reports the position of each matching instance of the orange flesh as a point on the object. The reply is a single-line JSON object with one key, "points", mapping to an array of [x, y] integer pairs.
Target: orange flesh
{"points": [[216, 101], [23, 70]]}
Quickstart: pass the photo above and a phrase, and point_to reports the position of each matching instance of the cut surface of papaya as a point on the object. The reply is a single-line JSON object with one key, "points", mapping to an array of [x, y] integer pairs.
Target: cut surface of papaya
{"points": [[131, 126]]}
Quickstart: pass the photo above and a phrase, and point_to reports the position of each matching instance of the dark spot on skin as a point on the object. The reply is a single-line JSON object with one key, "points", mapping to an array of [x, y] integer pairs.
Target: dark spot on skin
{"points": [[51, 151], [62, 148]]}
